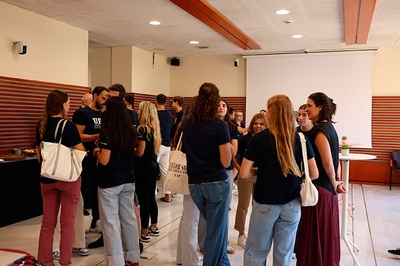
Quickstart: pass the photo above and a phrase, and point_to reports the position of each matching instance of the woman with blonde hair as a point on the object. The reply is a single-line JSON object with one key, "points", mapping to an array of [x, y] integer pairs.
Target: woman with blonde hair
{"points": [[276, 206], [146, 168], [245, 186], [57, 193]]}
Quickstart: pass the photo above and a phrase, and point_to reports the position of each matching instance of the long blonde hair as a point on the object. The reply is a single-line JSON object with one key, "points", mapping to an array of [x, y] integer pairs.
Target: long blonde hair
{"points": [[281, 122], [148, 119]]}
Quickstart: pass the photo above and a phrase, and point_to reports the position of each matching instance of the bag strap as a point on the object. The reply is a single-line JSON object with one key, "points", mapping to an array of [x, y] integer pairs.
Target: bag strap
{"points": [[62, 130], [304, 150], [179, 145]]}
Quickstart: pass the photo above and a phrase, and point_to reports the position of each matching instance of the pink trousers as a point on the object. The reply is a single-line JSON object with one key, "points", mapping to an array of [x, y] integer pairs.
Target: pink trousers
{"points": [[67, 195]]}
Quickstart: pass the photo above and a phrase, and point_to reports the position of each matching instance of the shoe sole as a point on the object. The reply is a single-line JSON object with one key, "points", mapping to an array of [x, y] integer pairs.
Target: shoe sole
{"points": [[394, 255], [81, 254], [152, 233], [145, 240]]}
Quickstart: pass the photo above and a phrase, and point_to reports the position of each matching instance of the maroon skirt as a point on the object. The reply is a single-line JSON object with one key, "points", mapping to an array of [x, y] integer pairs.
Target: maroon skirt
{"points": [[318, 235]]}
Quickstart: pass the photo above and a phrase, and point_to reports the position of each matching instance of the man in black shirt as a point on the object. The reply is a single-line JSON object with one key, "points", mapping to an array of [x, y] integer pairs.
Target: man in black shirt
{"points": [[88, 122], [166, 121], [177, 106]]}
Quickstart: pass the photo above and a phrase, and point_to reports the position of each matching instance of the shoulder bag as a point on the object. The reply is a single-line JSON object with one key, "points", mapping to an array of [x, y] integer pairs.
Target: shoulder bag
{"points": [[60, 162], [308, 192], [177, 178]]}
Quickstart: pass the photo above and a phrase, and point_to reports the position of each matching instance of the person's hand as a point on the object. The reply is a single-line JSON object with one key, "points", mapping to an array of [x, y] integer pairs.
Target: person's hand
{"points": [[95, 151], [253, 171], [340, 188]]}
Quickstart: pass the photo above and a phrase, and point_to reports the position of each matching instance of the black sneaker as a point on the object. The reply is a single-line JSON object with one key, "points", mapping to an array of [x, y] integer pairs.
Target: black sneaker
{"points": [[98, 243], [141, 246], [145, 238], [395, 252], [154, 231]]}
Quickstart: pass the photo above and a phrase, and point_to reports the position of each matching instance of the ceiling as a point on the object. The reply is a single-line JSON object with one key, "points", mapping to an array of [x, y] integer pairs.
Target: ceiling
{"points": [[125, 23]]}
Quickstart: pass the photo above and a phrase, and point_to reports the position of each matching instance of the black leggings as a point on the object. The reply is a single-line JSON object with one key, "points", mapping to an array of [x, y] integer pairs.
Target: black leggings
{"points": [[146, 178]]}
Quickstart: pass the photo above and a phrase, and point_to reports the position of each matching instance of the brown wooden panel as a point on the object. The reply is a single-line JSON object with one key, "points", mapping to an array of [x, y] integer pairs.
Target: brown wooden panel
{"points": [[212, 18], [366, 12], [238, 103], [22, 103]]}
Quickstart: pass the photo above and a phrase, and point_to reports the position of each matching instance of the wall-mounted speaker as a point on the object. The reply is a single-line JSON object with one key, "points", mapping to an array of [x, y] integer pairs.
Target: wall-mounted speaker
{"points": [[175, 61]]}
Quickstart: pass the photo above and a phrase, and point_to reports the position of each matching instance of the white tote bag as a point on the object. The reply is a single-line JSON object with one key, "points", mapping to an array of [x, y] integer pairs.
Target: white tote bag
{"points": [[60, 162], [177, 178], [308, 192]]}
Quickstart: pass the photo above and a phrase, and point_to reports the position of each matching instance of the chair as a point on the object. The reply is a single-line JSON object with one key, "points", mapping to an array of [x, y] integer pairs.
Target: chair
{"points": [[394, 165]]}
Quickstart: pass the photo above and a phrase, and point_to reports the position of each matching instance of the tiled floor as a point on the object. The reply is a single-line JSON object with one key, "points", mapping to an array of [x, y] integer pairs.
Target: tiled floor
{"points": [[374, 228]]}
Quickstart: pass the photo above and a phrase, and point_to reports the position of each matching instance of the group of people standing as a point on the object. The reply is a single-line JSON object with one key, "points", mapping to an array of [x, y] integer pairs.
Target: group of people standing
{"points": [[269, 158], [126, 152], [122, 162]]}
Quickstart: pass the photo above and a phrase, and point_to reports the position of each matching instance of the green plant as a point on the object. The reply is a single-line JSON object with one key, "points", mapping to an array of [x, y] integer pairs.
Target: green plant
{"points": [[344, 137], [345, 147]]}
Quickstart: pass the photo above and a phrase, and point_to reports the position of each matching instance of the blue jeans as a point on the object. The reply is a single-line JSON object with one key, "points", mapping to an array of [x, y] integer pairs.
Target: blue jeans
{"points": [[212, 199], [269, 223], [118, 224]]}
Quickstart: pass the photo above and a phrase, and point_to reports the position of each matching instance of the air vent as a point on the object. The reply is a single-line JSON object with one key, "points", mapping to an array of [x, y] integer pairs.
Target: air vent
{"points": [[202, 47]]}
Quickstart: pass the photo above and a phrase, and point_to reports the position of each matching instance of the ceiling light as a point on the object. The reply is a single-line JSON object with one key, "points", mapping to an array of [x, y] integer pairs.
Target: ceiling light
{"points": [[282, 12], [154, 22], [194, 42], [297, 36]]}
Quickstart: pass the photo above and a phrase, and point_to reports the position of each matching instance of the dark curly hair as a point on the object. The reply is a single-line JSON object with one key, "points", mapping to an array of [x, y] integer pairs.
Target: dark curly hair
{"points": [[205, 108]]}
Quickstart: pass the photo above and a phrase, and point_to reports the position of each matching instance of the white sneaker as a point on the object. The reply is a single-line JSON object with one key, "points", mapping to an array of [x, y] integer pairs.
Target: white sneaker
{"points": [[242, 240], [229, 249]]}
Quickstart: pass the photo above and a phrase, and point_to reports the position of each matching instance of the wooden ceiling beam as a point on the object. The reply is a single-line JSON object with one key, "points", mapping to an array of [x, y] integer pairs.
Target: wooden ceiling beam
{"points": [[357, 20], [205, 13], [364, 21], [350, 21]]}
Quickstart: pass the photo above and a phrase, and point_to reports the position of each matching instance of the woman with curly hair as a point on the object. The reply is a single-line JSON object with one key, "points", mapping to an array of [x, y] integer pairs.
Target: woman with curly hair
{"points": [[276, 206], [208, 152], [57, 193], [146, 168]]}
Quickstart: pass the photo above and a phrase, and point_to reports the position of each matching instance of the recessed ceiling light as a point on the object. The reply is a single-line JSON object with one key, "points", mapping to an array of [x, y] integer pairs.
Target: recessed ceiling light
{"points": [[194, 42], [155, 22], [282, 12], [297, 36]]}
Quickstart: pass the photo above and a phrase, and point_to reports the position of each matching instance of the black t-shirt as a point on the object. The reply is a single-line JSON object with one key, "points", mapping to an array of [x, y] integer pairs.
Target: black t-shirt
{"points": [[119, 170], [178, 119], [134, 117], [166, 121], [242, 147], [148, 156], [91, 119], [271, 186], [202, 143], [70, 136], [234, 135], [330, 132]]}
